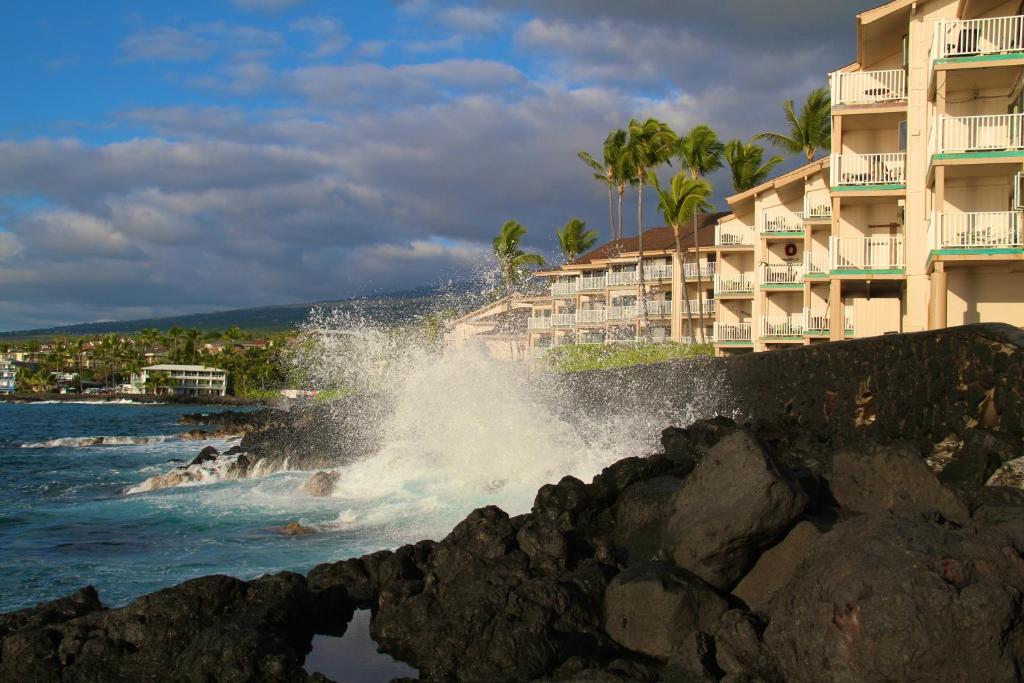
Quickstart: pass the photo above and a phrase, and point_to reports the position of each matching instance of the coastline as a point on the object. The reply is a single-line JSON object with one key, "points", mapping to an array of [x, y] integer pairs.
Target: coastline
{"points": [[139, 398]]}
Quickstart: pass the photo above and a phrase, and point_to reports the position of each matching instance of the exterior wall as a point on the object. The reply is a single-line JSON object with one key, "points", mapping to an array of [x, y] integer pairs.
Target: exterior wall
{"points": [[982, 295], [8, 378]]}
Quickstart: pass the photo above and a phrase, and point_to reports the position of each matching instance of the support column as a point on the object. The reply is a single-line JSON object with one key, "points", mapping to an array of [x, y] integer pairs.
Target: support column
{"points": [[678, 291], [937, 298], [836, 314]]}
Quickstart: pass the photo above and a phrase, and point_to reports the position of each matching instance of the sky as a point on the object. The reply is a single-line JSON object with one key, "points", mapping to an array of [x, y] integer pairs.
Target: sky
{"points": [[171, 158]]}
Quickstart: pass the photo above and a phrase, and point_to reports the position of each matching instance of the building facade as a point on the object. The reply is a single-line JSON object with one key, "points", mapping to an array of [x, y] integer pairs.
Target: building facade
{"points": [[184, 380], [8, 376]]}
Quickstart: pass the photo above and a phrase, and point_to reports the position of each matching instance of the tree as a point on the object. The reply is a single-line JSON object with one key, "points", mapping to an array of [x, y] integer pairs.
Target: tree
{"points": [[192, 338], [809, 131], [235, 333], [650, 144], [683, 201], [158, 380], [512, 260], [574, 239], [745, 164], [700, 151]]}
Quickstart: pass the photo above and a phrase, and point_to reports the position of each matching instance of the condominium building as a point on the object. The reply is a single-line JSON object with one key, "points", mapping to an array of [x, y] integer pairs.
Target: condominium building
{"points": [[183, 380], [914, 220], [8, 379], [595, 299]]}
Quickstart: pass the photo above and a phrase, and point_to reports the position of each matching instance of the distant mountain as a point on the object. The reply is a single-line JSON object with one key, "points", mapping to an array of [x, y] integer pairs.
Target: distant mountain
{"points": [[394, 308]]}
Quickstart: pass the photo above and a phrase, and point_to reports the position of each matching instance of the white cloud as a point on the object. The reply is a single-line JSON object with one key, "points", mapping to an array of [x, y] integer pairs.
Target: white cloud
{"points": [[451, 43], [266, 5], [329, 34], [166, 43], [471, 19]]}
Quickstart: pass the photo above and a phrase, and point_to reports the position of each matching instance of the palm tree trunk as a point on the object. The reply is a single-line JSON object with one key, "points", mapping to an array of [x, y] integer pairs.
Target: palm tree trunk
{"points": [[682, 275], [611, 212], [622, 191], [641, 293], [700, 287]]}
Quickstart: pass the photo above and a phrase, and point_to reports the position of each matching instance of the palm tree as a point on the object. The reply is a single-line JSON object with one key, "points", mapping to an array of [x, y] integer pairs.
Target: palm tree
{"points": [[650, 144], [684, 200], [575, 239], [192, 338], [512, 260], [700, 151], [235, 333], [809, 131], [745, 163]]}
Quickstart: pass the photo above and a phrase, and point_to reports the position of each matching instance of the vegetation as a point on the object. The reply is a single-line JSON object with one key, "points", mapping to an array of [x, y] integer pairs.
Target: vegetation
{"points": [[574, 239], [580, 357], [810, 130], [746, 164], [615, 172], [513, 262]]}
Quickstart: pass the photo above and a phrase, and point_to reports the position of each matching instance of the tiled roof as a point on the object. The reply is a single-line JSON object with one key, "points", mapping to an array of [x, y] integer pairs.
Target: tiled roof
{"points": [[656, 239]]}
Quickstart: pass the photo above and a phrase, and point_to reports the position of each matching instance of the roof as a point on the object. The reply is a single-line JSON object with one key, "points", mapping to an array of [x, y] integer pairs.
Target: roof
{"points": [[784, 179], [655, 239], [182, 368]]}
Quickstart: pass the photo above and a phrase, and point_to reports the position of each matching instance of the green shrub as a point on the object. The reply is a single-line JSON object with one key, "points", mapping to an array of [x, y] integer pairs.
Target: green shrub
{"points": [[579, 357]]}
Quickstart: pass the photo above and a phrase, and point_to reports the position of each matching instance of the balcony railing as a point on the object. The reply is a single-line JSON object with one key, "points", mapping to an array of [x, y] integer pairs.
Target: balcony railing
{"points": [[707, 304], [539, 323], [733, 235], [592, 283], [590, 316], [817, 205], [564, 288], [733, 332], [816, 262], [867, 87], [977, 230], [709, 338], [563, 319], [622, 312], [657, 272], [591, 338], [820, 319], [659, 308], [980, 133], [782, 273], [706, 270], [733, 284], [782, 326], [970, 37], [625, 277], [780, 221], [868, 169], [883, 252]]}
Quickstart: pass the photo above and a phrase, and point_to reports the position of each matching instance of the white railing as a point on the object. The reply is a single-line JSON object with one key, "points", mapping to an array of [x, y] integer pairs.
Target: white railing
{"points": [[590, 316], [866, 87], [820, 319], [726, 332], [563, 288], [539, 323], [868, 169], [779, 221], [782, 273], [816, 262], [563, 319], [708, 306], [980, 133], [733, 235], [969, 37], [782, 326], [658, 272], [817, 205], [709, 338], [734, 284], [622, 312], [625, 277], [883, 252], [659, 308], [592, 283], [705, 269], [977, 230]]}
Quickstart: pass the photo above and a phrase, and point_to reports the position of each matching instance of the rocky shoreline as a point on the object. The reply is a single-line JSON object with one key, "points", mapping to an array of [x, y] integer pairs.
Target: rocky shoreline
{"points": [[134, 398]]}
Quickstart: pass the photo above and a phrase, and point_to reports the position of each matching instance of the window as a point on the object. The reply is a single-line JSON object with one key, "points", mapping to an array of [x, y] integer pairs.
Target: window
{"points": [[903, 136]]}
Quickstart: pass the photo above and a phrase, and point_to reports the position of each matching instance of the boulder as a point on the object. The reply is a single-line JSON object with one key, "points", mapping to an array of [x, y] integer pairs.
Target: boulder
{"points": [[981, 454], [295, 529], [655, 608], [886, 597], [736, 503], [194, 435], [641, 513], [84, 601], [321, 484], [1010, 474], [873, 478], [206, 455], [776, 566]]}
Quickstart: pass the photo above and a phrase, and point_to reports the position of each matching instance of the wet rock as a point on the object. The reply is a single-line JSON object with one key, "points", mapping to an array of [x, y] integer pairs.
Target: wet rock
{"points": [[884, 597], [873, 478], [1009, 474], [641, 513], [777, 566], [321, 484], [82, 602], [195, 435], [295, 529], [736, 503], [655, 609], [206, 455]]}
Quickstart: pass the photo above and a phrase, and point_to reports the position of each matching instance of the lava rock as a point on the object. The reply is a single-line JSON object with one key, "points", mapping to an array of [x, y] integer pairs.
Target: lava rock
{"points": [[321, 484], [641, 513], [981, 454], [735, 504], [776, 566], [206, 455]]}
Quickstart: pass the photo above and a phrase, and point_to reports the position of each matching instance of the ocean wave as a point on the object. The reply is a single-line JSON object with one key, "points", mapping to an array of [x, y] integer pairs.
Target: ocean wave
{"points": [[95, 402], [87, 441], [207, 472]]}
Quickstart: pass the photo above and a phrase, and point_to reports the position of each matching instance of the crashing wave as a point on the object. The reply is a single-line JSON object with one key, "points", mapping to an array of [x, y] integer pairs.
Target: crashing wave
{"points": [[206, 472], [87, 441]]}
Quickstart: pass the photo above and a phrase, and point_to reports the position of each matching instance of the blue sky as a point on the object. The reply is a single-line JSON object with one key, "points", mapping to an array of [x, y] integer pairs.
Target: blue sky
{"points": [[168, 158]]}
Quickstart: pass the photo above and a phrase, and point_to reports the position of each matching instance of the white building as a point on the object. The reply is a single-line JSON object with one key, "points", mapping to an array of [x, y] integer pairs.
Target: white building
{"points": [[184, 380], [8, 382]]}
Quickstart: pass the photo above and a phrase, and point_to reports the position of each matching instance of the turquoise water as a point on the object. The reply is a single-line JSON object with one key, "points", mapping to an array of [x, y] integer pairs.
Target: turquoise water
{"points": [[65, 521]]}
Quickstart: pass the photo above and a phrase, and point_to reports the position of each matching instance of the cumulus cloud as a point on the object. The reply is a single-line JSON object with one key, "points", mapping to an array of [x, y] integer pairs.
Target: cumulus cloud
{"points": [[329, 34], [471, 19], [198, 42]]}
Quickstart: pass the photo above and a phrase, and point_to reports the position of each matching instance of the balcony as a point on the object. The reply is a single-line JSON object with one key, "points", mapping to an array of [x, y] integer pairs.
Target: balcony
{"points": [[816, 263], [624, 277], [591, 338], [817, 321], [733, 332], [817, 206], [622, 312], [657, 273], [562, 320], [564, 288], [782, 274], [982, 230], [868, 87], [542, 322], [708, 339], [734, 235], [593, 316], [961, 38], [592, 283], [659, 308], [782, 222], [852, 255], [985, 133], [733, 285], [883, 171], [708, 306], [706, 270], [782, 326]]}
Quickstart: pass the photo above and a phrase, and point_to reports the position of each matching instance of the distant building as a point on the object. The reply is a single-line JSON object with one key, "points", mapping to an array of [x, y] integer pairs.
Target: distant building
{"points": [[500, 327], [8, 380], [184, 380]]}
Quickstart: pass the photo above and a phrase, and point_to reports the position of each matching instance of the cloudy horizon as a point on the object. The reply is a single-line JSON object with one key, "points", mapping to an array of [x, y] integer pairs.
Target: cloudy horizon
{"points": [[227, 154]]}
